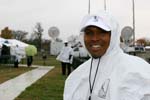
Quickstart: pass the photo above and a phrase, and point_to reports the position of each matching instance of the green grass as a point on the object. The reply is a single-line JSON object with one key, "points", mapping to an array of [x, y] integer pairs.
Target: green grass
{"points": [[8, 72], [49, 87]]}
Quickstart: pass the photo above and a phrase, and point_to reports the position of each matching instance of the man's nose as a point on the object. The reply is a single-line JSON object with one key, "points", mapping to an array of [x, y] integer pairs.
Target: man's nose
{"points": [[95, 37]]}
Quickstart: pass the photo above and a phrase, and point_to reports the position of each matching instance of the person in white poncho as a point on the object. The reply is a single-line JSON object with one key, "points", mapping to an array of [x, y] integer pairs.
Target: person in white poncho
{"points": [[18, 56], [65, 56], [109, 74]]}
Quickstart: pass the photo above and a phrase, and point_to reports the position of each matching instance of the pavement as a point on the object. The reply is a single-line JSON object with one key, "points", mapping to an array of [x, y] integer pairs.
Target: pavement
{"points": [[12, 88]]}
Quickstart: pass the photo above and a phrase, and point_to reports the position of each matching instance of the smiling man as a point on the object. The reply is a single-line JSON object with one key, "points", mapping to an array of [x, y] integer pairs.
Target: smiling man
{"points": [[96, 40], [109, 74]]}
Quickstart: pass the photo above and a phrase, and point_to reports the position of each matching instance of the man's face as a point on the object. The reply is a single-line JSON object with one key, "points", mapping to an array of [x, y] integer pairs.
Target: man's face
{"points": [[96, 41]]}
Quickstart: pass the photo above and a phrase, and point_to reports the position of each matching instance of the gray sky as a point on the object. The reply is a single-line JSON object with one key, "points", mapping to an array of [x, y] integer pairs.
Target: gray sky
{"points": [[67, 14]]}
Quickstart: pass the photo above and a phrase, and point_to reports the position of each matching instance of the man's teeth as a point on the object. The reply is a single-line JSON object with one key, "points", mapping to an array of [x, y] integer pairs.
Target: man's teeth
{"points": [[96, 46]]}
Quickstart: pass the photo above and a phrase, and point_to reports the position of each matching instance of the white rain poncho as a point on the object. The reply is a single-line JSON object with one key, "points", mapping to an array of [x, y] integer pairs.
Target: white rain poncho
{"points": [[64, 54], [18, 53], [120, 76]]}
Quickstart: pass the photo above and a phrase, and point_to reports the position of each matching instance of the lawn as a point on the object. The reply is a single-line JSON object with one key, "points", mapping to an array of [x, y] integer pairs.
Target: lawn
{"points": [[8, 72], [49, 87]]}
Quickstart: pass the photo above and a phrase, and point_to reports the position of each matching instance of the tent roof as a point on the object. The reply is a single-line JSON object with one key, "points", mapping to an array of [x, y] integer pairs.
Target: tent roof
{"points": [[15, 42], [12, 42]]}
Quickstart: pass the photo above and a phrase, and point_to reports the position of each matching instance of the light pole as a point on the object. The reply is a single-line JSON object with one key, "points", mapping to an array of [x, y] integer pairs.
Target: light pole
{"points": [[89, 7], [133, 6], [105, 5]]}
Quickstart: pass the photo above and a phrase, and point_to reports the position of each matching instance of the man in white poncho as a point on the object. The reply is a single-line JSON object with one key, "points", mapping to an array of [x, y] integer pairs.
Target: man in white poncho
{"points": [[110, 74], [65, 56], [18, 56]]}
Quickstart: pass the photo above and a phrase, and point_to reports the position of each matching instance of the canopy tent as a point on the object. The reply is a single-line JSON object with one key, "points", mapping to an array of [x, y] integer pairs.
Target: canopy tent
{"points": [[12, 43], [2, 40], [15, 42], [5, 42]]}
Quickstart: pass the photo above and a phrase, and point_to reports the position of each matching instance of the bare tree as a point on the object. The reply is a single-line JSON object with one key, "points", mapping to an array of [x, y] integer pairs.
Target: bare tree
{"points": [[19, 34], [38, 33]]}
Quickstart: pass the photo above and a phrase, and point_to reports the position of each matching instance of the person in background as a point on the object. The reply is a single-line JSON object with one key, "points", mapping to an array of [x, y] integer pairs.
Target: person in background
{"points": [[29, 60], [65, 57], [44, 57], [17, 56], [5, 53], [110, 74]]}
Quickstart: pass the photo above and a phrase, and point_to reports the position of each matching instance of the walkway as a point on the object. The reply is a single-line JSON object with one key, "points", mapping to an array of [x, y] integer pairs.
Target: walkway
{"points": [[10, 89]]}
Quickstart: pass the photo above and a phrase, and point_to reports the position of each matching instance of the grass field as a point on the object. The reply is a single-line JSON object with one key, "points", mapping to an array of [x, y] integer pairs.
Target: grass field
{"points": [[8, 72], [49, 87]]}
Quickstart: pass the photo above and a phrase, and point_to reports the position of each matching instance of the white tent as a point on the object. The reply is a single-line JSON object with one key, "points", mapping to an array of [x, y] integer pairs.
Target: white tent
{"points": [[21, 48], [15, 42], [1, 42], [4, 41], [12, 43]]}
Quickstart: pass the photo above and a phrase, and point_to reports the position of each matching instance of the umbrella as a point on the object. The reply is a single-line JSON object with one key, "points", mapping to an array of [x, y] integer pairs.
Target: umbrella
{"points": [[31, 50]]}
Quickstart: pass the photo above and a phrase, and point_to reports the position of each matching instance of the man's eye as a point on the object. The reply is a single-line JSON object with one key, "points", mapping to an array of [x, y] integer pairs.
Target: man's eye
{"points": [[88, 33]]}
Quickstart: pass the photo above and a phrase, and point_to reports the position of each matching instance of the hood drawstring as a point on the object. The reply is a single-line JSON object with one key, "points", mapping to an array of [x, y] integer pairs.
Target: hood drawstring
{"points": [[90, 83]]}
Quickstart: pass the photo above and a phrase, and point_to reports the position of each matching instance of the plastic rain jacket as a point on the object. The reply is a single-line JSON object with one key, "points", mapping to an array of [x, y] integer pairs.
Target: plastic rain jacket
{"points": [[120, 76], [64, 55]]}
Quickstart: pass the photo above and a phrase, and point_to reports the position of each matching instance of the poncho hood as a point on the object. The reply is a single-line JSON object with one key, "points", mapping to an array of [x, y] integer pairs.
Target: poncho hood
{"points": [[109, 23]]}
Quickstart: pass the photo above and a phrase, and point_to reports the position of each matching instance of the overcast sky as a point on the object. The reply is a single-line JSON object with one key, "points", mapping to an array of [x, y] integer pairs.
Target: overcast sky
{"points": [[67, 14]]}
